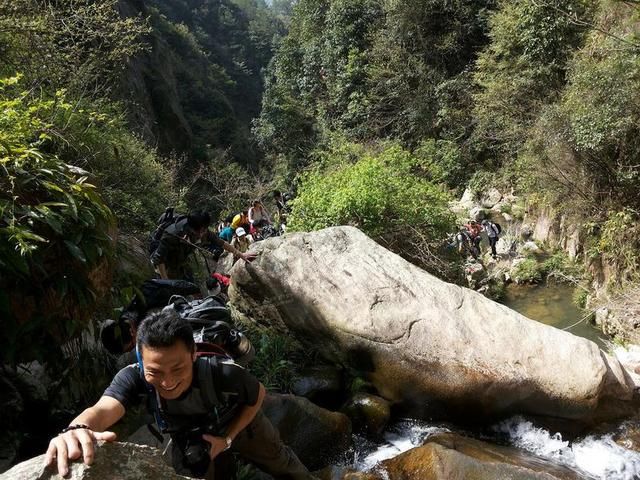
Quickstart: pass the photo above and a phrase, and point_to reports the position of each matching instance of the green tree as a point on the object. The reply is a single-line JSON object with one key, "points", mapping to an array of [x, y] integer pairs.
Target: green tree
{"points": [[524, 67], [55, 230], [384, 191]]}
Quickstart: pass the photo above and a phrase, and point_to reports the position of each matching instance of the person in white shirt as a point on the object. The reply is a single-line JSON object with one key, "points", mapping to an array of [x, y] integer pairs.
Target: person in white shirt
{"points": [[493, 232], [258, 215]]}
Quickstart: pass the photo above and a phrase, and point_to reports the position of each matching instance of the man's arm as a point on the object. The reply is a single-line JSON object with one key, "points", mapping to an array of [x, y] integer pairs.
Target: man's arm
{"points": [[80, 441], [239, 423], [247, 256]]}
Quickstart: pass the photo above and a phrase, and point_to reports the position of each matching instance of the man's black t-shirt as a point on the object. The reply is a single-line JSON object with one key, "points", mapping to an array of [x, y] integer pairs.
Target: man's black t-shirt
{"points": [[236, 384]]}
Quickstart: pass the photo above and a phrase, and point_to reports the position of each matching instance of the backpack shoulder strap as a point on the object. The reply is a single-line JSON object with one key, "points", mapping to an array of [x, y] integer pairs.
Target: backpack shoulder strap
{"points": [[210, 388]]}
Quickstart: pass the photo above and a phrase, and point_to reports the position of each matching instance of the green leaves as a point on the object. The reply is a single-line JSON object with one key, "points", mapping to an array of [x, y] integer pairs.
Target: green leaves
{"points": [[53, 226], [380, 192]]}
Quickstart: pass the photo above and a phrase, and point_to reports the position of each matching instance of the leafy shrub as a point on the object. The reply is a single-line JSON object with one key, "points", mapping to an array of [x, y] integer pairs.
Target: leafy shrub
{"points": [[278, 358], [563, 268], [527, 271], [616, 240], [382, 192], [133, 180], [445, 161], [55, 243], [481, 181], [580, 296], [386, 193]]}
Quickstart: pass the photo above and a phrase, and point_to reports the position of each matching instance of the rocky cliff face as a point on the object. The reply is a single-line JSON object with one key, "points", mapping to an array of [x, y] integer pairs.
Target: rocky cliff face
{"points": [[198, 85]]}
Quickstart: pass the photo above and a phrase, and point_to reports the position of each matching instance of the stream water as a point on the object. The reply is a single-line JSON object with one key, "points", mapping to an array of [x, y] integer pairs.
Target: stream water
{"points": [[552, 305], [594, 456]]}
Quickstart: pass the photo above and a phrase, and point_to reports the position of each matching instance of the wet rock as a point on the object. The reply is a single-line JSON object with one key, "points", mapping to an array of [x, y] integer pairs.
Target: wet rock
{"points": [[336, 473], [368, 412], [318, 381], [113, 461], [449, 456], [433, 348], [491, 198], [316, 435]]}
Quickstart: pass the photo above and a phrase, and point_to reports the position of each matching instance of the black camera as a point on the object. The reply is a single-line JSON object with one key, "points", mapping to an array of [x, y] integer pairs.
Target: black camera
{"points": [[194, 449]]}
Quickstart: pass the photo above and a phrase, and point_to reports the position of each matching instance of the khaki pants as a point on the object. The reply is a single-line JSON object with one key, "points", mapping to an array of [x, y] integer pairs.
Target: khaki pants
{"points": [[260, 444]]}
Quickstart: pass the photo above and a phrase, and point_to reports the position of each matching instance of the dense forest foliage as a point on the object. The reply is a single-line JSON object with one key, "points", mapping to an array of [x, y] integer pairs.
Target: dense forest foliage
{"points": [[110, 112], [535, 97], [375, 113]]}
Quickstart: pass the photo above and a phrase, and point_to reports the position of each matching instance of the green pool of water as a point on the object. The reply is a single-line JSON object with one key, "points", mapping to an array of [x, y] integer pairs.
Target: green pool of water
{"points": [[551, 305]]}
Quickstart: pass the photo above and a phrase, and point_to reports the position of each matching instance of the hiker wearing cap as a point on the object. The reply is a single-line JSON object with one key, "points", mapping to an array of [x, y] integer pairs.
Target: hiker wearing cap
{"points": [[241, 242]]}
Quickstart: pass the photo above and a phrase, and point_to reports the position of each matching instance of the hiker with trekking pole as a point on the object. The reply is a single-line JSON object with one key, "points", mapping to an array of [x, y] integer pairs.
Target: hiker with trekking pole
{"points": [[177, 236]]}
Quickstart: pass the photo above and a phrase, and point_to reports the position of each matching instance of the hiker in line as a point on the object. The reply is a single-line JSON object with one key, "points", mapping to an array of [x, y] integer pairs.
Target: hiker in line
{"points": [[258, 215], [493, 232], [226, 232], [208, 404], [241, 220], [241, 242], [180, 239], [475, 230], [464, 244]]}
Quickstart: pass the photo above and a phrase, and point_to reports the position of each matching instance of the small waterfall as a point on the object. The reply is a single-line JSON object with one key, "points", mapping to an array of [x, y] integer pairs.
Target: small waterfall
{"points": [[598, 456], [402, 436], [595, 457]]}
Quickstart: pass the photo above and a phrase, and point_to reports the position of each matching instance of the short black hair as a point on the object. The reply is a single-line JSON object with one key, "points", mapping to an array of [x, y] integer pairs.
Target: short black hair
{"points": [[276, 193], [199, 220], [115, 335], [164, 329], [228, 219]]}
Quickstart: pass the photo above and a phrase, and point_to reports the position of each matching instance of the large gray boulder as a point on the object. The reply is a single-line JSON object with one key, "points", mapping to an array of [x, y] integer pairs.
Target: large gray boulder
{"points": [[433, 347], [113, 461]]}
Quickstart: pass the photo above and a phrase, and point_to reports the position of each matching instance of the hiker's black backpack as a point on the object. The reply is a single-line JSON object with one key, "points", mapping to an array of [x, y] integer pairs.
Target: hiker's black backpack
{"points": [[169, 217], [211, 322], [498, 228]]}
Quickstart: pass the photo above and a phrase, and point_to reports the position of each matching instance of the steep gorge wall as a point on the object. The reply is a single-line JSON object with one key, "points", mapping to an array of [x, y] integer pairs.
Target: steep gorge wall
{"points": [[615, 313]]}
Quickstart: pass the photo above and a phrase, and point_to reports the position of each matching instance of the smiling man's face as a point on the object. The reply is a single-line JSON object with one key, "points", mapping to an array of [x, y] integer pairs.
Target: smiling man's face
{"points": [[168, 369]]}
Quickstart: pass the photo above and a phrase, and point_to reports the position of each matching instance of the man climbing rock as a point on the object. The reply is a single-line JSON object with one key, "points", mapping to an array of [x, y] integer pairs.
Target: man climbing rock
{"points": [[180, 239], [208, 405]]}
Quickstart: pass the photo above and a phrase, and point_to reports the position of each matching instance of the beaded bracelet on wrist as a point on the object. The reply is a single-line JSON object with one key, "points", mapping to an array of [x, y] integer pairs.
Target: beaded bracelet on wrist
{"points": [[77, 426]]}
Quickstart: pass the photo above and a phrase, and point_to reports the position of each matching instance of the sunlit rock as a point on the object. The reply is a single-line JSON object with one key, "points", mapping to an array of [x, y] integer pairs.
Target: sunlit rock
{"points": [[431, 347]]}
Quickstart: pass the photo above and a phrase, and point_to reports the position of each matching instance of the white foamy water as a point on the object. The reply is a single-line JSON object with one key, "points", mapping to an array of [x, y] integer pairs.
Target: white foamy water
{"points": [[598, 456], [402, 437]]}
